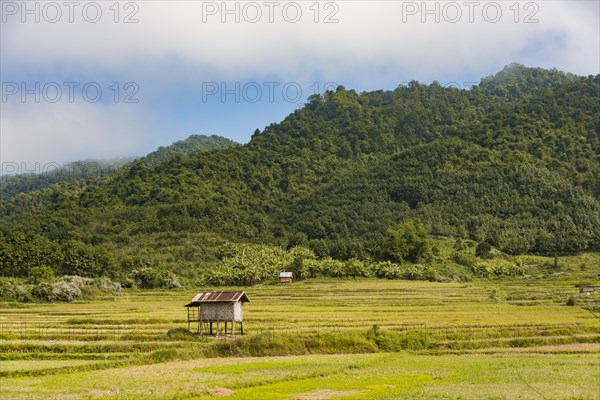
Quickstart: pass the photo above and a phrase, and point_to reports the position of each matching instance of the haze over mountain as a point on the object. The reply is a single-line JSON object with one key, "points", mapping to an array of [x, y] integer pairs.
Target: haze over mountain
{"points": [[514, 163], [86, 170]]}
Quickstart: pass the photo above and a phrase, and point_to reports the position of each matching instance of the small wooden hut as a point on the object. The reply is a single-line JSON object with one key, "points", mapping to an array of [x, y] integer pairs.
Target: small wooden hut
{"points": [[210, 308], [286, 277], [586, 288]]}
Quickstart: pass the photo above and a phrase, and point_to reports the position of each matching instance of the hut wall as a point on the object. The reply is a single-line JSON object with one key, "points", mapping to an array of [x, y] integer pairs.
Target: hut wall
{"points": [[238, 309], [221, 311]]}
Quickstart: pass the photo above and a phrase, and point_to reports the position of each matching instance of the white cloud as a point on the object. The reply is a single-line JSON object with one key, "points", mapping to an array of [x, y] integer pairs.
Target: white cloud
{"points": [[368, 34], [374, 42], [54, 133]]}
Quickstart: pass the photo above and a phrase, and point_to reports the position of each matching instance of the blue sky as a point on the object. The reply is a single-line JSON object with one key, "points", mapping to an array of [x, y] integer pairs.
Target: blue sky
{"points": [[161, 67]]}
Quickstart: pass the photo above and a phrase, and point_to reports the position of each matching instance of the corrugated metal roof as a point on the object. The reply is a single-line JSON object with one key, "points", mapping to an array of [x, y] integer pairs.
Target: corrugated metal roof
{"points": [[218, 297], [285, 275], [585, 285], [197, 297]]}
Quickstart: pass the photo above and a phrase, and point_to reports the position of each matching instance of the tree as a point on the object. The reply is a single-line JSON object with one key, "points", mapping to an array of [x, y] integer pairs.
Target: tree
{"points": [[407, 242], [484, 250], [39, 274]]}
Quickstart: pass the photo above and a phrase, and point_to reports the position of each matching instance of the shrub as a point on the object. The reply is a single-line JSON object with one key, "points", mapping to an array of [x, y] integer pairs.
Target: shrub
{"points": [[388, 270], [464, 259], [150, 278], [497, 295], [104, 283], [40, 274], [422, 273], [64, 291], [417, 340], [385, 340], [181, 334], [42, 291], [67, 289], [59, 291], [571, 301], [12, 290], [357, 268], [484, 250], [128, 283], [332, 267], [406, 242], [6, 287], [160, 356], [90, 292], [77, 280], [459, 245]]}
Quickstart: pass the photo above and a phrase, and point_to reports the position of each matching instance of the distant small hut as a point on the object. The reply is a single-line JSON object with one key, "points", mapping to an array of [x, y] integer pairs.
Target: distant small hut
{"points": [[286, 277], [210, 308], [586, 288]]}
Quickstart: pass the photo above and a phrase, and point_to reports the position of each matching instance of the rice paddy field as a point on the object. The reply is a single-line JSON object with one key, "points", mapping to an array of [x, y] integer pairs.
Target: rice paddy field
{"points": [[315, 339]]}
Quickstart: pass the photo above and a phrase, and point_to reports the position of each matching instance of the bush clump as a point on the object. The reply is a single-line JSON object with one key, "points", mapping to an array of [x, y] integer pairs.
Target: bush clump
{"points": [[385, 340], [40, 274], [161, 356], [12, 289], [181, 334], [484, 250], [52, 292], [497, 295], [464, 259], [66, 289], [150, 278], [65, 292], [104, 283], [77, 280]]}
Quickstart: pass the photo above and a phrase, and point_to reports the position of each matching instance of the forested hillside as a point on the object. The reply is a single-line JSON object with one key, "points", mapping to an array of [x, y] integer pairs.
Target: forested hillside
{"points": [[83, 172], [193, 145], [513, 163], [43, 176]]}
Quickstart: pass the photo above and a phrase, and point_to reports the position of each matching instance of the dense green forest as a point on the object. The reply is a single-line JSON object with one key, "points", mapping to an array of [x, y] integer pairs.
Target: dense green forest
{"points": [[372, 178], [83, 172], [49, 174]]}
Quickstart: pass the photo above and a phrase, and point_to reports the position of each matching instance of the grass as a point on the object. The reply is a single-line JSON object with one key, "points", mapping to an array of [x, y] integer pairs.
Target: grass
{"points": [[314, 340], [34, 365], [362, 376]]}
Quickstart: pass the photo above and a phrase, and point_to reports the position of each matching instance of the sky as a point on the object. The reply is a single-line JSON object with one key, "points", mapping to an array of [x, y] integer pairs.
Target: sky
{"points": [[88, 80]]}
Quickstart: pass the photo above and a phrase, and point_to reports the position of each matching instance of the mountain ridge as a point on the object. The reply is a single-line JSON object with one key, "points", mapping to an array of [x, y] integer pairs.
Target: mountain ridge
{"points": [[84, 170], [514, 162]]}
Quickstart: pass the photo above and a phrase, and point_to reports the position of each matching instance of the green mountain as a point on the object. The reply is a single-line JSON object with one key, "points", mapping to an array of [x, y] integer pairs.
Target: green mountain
{"points": [[513, 163], [78, 171], [85, 171], [193, 145]]}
